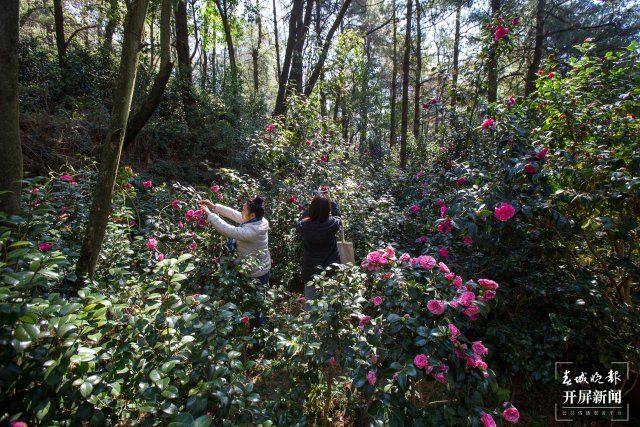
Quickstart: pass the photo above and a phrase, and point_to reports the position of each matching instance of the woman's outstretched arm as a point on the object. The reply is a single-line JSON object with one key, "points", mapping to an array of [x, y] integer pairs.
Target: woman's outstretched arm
{"points": [[228, 212]]}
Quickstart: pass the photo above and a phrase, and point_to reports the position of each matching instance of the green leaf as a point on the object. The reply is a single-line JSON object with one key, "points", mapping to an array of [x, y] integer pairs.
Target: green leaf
{"points": [[85, 389]]}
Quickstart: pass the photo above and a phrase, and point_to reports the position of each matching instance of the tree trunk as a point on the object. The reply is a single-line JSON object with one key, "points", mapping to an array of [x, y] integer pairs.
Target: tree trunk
{"points": [[418, 77], [110, 28], [456, 56], [151, 102], [529, 83], [277, 42], [184, 64], [112, 147], [281, 105], [10, 146], [295, 75], [405, 88], [317, 69], [492, 61], [61, 41], [394, 80], [255, 52], [224, 15]]}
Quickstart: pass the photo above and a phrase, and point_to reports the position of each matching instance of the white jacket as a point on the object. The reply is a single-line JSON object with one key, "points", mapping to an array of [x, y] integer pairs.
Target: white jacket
{"points": [[251, 238]]}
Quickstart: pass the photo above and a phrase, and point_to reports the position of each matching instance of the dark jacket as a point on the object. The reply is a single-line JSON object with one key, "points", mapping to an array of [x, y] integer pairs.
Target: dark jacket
{"points": [[320, 247]]}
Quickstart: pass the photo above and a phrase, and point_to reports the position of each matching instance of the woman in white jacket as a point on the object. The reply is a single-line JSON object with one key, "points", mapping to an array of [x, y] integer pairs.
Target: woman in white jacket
{"points": [[250, 237]]}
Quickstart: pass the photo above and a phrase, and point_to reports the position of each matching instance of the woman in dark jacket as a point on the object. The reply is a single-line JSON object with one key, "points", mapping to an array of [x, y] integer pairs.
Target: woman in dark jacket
{"points": [[318, 227]]}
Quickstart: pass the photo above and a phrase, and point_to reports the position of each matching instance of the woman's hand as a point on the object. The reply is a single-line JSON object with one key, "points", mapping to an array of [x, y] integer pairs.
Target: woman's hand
{"points": [[205, 207], [208, 204]]}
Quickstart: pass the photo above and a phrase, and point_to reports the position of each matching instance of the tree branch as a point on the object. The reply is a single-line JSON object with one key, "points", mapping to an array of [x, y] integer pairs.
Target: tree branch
{"points": [[86, 27]]}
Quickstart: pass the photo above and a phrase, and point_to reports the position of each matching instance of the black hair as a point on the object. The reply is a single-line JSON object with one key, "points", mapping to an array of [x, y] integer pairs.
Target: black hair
{"points": [[256, 206], [319, 209]]}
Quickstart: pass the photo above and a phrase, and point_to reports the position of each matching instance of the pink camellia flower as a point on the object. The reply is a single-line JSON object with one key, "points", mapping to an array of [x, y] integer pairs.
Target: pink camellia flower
{"points": [[422, 239], [215, 188], [488, 295], [479, 348], [455, 332], [404, 258], [444, 267], [175, 204], [443, 211], [245, 320], [363, 321], [445, 226], [271, 127], [332, 361], [152, 243], [220, 196], [443, 252], [159, 256], [543, 153], [377, 300], [511, 101], [216, 260], [425, 262], [436, 307], [374, 260], [551, 75], [457, 282], [488, 284], [202, 222], [324, 158], [193, 246], [450, 276], [500, 32], [529, 169], [374, 358], [414, 209], [66, 178], [511, 415], [292, 199], [45, 247], [18, 424], [466, 298], [307, 142], [487, 420], [371, 378], [420, 361], [468, 241], [515, 21], [180, 224], [147, 184], [35, 190], [462, 180], [198, 214], [472, 311], [189, 215], [488, 123], [540, 72], [504, 212]]}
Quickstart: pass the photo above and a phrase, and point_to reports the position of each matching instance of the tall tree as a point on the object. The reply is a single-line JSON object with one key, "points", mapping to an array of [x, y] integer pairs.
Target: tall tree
{"points": [[112, 147], [456, 56], [418, 76], [492, 60], [529, 82], [61, 41], [223, 10], [394, 80], [405, 88], [295, 75], [10, 146], [149, 105], [255, 50], [276, 39], [283, 78], [112, 21], [185, 73]]}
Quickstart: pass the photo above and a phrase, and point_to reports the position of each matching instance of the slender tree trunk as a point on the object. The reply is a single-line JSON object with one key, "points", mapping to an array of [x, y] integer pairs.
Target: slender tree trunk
{"points": [[276, 39], [456, 55], [184, 64], [112, 147], [283, 80], [418, 77], [149, 105], [364, 105], [110, 27], [394, 80], [529, 83], [61, 41], [295, 75], [224, 15], [492, 61], [10, 146], [317, 69], [255, 52], [405, 88]]}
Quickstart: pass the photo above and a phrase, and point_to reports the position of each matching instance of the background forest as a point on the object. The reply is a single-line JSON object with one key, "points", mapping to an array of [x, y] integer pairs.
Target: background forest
{"points": [[485, 155]]}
